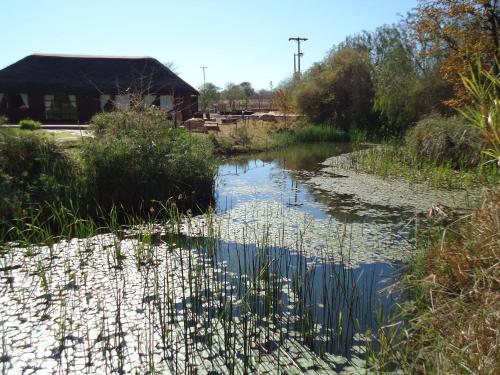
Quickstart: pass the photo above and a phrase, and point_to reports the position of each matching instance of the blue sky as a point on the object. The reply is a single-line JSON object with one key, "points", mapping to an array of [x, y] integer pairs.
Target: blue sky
{"points": [[237, 40]]}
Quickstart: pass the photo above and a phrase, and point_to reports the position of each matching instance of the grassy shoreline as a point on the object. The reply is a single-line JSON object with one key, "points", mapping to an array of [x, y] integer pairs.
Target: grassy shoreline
{"points": [[451, 322], [392, 160], [257, 136]]}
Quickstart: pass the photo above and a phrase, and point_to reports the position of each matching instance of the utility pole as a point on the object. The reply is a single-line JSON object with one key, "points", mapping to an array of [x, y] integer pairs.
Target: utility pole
{"points": [[203, 67], [299, 54], [295, 62]]}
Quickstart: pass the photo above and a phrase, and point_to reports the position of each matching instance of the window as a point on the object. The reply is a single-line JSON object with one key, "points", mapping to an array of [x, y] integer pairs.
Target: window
{"points": [[107, 103], [150, 100], [61, 107], [166, 102], [14, 101], [122, 101]]}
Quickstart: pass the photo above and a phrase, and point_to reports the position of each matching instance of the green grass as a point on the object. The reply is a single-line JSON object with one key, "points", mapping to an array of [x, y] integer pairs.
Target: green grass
{"points": [[311, 134], [393, 160]]}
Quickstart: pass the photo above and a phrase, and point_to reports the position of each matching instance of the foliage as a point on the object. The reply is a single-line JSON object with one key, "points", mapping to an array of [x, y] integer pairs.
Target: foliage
{"points": [[459, 32], [442, 140], [484, 87], [3, 120], [34, 172], [137, 158], [407, 85], [339, 90], [233, 93], [209, 95], [28, 124], [248, 90], [132, 122], [241, 135], [317, 133]]}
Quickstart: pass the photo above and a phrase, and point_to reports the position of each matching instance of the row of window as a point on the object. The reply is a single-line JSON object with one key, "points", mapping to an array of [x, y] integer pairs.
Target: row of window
{"points": [[64, 106], [14, 101], [165, 102]]}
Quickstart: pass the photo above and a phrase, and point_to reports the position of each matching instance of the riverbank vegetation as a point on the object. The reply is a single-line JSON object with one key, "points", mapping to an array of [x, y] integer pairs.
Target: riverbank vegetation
{"points": [[254, 136], [452, 320], [135, 160], [440, 152]]}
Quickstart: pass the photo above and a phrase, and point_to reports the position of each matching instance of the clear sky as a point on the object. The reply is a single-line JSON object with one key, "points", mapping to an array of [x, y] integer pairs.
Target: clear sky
{"points": [[237, 40]]}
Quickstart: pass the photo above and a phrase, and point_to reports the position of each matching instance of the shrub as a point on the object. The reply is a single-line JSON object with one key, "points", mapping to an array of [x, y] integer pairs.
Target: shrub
{"points": [[28, 124], [146, 161], [241, 135], [442, 140], [34, 172], [129, 122], [3, 120], [451, 324]]}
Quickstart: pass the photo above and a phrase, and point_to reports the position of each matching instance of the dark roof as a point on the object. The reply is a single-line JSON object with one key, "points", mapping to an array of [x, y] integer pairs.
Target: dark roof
{"points": [[90, 74]]}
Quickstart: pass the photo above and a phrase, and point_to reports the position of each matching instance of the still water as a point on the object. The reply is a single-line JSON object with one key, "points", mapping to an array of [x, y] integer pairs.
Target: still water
{"points": [[282, 277]]}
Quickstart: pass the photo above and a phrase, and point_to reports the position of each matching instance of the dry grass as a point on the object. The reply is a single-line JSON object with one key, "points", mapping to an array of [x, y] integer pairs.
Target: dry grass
{"points": [[454, 316], [464, 291], [249, 135]]}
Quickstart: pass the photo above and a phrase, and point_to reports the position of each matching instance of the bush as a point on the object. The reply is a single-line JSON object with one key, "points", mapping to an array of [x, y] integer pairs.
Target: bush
{"points": [[129, 122], [441, 140], [34, 172], [3, 120], [137, 158], [28, 124]]}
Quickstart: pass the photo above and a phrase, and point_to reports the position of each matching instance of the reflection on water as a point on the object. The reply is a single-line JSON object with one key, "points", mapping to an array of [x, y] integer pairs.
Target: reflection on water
{"points": [[279, 176], [281, 278], [338, 304]]}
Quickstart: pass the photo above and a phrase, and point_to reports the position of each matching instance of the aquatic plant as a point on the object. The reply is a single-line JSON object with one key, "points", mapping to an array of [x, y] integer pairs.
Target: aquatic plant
{"points": [[157, 300]]}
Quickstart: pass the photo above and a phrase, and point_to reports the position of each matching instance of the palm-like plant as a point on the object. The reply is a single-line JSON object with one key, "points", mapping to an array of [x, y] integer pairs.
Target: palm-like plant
{"points": [[484, 113]]}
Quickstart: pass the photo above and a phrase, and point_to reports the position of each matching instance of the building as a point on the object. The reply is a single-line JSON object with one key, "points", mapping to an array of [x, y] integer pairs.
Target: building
{"points": [[71, 89]]}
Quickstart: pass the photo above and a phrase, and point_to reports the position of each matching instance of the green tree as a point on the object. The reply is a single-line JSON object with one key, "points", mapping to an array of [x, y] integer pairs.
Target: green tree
{"points": [[339, 90], [233, 93], [209, 95], [407, 85]]}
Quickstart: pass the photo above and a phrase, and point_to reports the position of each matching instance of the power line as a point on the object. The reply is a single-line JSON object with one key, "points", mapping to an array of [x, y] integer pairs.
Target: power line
{"points": [[299, 54]]}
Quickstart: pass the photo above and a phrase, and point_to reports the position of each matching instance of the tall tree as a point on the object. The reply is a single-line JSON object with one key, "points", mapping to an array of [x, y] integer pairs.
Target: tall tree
{"points": [[209, 94], [461, 31], [407, 85], [339, 90], [233, 93]]}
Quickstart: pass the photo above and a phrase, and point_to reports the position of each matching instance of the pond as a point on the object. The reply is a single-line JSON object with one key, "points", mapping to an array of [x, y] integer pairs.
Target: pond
{"points": [[285, 275]]}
